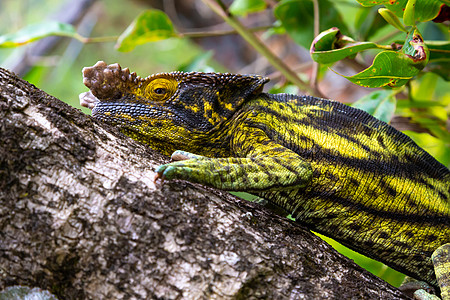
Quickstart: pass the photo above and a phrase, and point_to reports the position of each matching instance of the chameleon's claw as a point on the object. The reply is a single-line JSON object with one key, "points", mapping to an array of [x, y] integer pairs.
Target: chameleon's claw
{"points": [[165, 172], [175, 170], [158, 176]]}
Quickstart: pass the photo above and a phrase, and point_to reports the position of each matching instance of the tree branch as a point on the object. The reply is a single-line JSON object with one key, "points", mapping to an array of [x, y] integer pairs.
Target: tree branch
{"points": [[81, 217]]}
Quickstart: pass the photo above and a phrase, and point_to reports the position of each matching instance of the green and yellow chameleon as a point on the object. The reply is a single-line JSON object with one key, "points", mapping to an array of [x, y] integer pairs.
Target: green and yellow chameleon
{"points": [[334, 168]]}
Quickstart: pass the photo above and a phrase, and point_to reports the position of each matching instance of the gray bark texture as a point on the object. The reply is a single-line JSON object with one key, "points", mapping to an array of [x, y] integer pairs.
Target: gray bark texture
{"points": [[81, 217]]}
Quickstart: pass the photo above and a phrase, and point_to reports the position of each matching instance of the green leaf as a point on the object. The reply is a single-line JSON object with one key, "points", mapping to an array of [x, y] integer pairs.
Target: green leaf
{"points": [[409, 13], [391, 18], [297, 16], [425, 10], [416, 49], [389, 68], [150, 26], [35, 32], [331, 46], [380, 104], [392, 68], [244, 7]]}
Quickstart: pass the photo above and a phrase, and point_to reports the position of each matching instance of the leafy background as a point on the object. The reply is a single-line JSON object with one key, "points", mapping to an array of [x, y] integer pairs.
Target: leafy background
{"points": [[197, 35]]}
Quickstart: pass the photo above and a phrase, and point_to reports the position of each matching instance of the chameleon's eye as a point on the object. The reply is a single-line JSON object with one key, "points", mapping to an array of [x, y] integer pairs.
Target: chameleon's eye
{"points": [[160, 89]]}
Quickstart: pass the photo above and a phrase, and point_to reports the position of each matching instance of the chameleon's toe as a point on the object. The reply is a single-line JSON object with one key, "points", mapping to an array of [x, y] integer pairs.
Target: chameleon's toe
{"points": [[441, 261], [184, 155], [160, 172], [172, 171], [423, 295], [419, 290], [169, 172]]}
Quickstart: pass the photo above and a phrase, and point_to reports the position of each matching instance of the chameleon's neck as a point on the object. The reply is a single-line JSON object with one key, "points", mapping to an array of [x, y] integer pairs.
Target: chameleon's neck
{"points": [[214, 143]]}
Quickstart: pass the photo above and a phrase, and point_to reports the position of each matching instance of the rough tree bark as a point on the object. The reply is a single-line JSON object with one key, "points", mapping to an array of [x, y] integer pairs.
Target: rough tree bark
{"points": [[81, 217]]}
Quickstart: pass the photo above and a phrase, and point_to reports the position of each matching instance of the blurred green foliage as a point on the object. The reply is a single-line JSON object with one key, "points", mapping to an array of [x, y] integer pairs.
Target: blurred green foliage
{"points": [[422, 96], [60, 73]]}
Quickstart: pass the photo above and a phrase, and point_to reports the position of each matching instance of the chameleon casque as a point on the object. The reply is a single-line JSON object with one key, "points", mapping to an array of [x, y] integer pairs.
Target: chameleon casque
{"points": [[334, 168]]}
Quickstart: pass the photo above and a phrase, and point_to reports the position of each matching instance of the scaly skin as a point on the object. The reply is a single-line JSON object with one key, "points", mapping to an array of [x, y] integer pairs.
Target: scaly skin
{"points": [[335, 168]]}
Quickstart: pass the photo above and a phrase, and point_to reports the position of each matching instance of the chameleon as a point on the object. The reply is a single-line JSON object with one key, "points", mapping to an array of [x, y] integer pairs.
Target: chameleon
{"points": [[334, 168]]}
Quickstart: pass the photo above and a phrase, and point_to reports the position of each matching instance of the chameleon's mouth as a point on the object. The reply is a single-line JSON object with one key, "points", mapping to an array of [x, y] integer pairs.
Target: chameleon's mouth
{"points": [[140, 118], [120, 112]]}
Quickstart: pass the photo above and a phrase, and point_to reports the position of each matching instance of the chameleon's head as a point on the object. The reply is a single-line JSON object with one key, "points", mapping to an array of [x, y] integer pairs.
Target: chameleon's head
{"points": [[168, 110]]}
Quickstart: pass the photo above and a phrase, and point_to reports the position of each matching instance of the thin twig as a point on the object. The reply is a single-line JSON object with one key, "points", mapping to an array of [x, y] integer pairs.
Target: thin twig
{"points": [[271, 2], [303, 67], [193, 34], [315, 68], [387, 36], [219, 8], [200, 34], [100, 39]]}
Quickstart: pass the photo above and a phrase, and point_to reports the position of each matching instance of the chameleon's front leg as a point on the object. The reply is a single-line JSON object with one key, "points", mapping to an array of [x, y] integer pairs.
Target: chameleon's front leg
{"points": [[256, 172]]}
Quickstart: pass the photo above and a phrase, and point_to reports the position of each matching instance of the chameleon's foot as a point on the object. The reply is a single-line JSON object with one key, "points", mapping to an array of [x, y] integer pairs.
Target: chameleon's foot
{"points": [[410, 286], [423, 295], [441, 262], [175, 170], [180, 169], [237, 174]]}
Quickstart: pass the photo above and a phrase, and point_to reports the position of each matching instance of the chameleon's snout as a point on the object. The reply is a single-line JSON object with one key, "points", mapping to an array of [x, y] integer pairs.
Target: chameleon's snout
{"points": [[88, 100]]}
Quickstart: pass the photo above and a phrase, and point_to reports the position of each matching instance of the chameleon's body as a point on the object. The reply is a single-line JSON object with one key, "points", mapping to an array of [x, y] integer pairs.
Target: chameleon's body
{"points": [[336, 169]]}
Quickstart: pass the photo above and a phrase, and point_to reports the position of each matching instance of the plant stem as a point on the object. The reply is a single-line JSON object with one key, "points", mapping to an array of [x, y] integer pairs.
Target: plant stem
{"points": [[388, 36], [101, 39], [200, 34], [315, 68], [219, 8], [384, 47]]}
